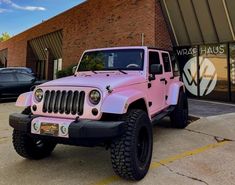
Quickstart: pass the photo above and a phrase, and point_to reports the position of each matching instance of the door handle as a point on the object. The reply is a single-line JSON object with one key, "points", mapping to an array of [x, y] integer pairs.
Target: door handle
{"points": [[163, 80]]}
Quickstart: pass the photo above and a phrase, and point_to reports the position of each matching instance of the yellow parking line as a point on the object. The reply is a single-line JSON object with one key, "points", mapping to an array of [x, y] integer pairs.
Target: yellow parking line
{"points": [[186, 154], [108, 180], [168, 160], [3, 139]]}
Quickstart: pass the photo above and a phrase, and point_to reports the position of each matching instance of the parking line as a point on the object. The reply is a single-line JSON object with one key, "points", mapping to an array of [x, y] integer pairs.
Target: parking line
{"points": [[168, 160], [3, 139], [186, 154]]}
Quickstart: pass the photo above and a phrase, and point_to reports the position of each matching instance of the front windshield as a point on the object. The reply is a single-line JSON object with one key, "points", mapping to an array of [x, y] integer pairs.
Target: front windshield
{"points": [[121, 59]]}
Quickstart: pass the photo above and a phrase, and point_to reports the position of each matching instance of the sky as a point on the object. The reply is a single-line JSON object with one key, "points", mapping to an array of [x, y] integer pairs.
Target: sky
{"points": [[18, 15]]}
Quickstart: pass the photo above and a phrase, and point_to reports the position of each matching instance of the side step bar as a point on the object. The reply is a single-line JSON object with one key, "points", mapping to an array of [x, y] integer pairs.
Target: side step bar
{"points": [[162, 114]]}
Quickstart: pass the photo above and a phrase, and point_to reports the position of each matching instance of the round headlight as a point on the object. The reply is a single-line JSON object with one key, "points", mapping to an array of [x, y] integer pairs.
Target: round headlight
{"points": [[94, 97], [38, 95]]}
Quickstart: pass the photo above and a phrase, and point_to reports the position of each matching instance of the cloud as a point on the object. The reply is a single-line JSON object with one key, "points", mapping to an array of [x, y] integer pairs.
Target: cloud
{"points": [[3, 10], [16, 6]]}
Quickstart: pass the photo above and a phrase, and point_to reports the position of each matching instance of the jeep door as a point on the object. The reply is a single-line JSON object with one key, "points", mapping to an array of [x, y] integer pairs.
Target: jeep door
{"points": [[156, 87], [168, 75]]}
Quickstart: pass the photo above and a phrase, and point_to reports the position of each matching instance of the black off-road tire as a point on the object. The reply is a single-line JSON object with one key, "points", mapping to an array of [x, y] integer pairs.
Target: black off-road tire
{"points": [[179, 117], [131, 154], [31, 148]]}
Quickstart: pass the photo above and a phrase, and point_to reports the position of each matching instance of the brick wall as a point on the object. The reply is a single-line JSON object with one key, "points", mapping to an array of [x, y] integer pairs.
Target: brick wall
{"points": [[162, 35], [96, 23], [116, 23]]}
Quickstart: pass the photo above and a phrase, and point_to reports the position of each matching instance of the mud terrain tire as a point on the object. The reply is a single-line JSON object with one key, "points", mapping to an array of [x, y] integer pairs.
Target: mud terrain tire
{"points": [[31, 148], [131, 154], [179, 117]]}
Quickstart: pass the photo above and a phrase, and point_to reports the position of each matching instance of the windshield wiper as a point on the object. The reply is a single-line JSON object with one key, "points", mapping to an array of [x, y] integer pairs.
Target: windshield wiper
{"points": [[94, 71], [122, 71]]}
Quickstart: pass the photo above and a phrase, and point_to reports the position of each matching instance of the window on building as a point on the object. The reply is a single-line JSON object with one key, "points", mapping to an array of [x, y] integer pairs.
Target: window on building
{"points": [[232, 70], [57, 67], [213, 72], [166, 62]]}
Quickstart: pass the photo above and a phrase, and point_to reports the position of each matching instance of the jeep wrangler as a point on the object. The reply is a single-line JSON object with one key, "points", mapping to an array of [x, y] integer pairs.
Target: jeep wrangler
{"points": [[112, 100]]}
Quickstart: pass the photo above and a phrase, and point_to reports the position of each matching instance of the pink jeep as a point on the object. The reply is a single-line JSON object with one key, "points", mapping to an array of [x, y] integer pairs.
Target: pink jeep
{"points": [[112, 100]]}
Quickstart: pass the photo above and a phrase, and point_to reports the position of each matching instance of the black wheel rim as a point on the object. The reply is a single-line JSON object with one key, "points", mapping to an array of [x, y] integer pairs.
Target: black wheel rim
{"points": [[142, 146]]}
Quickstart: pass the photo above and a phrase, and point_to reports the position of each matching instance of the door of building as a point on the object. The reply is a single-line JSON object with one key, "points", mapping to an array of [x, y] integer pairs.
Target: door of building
{"points": [[40, 69]]}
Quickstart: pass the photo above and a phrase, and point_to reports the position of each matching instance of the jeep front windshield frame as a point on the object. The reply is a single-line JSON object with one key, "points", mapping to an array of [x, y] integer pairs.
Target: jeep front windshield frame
{"points": [[110, 60]]}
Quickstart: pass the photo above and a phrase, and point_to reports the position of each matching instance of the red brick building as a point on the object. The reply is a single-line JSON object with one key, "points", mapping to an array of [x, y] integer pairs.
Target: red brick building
{"points": [[94, 23]]}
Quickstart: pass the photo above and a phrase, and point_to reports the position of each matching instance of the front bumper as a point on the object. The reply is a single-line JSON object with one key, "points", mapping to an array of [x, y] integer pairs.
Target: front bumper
{"points": [[82, 129]]}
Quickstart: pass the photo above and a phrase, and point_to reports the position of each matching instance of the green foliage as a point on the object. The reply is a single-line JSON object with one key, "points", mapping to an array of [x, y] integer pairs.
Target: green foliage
{"points": [[92, 61], [66, 72], [4, 36]]}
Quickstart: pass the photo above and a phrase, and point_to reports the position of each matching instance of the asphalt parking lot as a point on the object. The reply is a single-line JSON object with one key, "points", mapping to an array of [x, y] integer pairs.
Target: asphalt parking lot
{"points": [[203, 153]]}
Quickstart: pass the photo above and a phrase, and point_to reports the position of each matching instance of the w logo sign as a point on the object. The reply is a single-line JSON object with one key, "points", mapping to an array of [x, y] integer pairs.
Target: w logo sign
{"points": [[207, 76]]}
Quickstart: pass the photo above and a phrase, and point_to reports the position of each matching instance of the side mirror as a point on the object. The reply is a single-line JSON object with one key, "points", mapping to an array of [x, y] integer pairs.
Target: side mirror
{"points": [[156, 69]]}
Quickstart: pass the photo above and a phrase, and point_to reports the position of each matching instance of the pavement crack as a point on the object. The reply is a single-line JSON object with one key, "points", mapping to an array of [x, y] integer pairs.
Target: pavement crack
{"points": [[183, 175], [217, 138]]}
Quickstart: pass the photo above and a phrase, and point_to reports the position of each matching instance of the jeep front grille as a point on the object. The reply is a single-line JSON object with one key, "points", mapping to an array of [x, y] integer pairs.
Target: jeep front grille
{"points": [[64, 102]]}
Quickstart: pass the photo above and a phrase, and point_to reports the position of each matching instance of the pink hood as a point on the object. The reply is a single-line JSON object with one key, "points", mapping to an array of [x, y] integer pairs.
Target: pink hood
{"points": [[100, 80]]}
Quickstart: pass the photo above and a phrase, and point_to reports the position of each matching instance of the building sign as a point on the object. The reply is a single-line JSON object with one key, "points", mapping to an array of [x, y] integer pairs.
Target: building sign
{"points": [[187, 57], [204, 71], [208, 76]]}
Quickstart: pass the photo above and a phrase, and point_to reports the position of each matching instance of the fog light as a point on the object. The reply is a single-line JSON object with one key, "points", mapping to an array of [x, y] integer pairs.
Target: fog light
{"points": [[64, 130], [36, 126], [95, 112]]}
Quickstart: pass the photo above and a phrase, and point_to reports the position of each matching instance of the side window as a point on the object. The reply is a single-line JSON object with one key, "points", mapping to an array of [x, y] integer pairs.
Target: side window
{"points": [[153, 58], [175, 65], [6, 77], [166, 62], [24, 77]]}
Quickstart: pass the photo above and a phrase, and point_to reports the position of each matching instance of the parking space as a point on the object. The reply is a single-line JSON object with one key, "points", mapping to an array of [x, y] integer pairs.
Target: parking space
{"points": [[203, 153]]}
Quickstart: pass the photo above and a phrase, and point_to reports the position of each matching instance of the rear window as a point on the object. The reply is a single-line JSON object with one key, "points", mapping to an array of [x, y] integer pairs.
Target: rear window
{"points": [[175, 65], [24, 77], [5, 77], [166, 62]]}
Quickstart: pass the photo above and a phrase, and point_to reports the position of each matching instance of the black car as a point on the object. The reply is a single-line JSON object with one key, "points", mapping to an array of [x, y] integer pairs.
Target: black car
{"points": [[13, 83]]}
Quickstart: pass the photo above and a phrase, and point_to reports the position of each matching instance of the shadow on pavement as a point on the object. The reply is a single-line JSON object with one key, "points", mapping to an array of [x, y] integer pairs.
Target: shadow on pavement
{"points": [[8, 100]]}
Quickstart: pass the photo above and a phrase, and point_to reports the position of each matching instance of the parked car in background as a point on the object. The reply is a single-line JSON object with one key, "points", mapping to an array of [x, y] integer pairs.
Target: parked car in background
{"points": [[14, 83], [17, 69]]}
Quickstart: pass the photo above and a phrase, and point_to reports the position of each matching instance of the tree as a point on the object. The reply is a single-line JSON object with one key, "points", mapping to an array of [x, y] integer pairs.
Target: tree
{"points": [[4, 36]]}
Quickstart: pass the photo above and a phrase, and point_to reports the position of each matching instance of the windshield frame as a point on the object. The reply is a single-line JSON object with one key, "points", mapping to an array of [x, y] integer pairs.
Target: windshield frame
{"points": [[114, 69]]}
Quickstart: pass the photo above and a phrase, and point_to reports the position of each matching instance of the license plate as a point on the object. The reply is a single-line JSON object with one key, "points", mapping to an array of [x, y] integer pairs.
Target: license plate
{"points": [[50, 129]]}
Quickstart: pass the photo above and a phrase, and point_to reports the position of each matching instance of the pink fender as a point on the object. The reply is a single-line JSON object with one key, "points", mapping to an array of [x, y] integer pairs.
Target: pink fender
{"points": [[173, 93], [24, 100], [118, 103]]}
